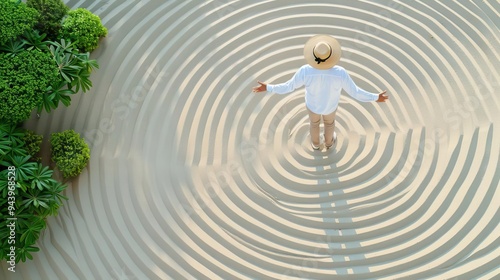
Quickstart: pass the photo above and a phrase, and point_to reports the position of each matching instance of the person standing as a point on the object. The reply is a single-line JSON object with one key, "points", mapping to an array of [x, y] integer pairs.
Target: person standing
{"points": [[323, 81]]}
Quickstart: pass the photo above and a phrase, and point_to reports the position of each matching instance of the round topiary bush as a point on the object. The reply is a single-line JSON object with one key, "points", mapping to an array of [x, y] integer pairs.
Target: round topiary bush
{"points": [[84, 28], [15, 19], [70, 152], [25, 77], [51, 15]]}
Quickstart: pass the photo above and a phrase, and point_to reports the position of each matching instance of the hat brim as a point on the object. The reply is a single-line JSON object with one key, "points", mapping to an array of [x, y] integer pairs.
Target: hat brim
{"points": [[330, 62]]}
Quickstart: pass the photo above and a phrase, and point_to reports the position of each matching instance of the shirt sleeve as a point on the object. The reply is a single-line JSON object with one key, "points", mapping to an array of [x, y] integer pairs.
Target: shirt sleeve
{"points": [[294, 83], [353, 90]]}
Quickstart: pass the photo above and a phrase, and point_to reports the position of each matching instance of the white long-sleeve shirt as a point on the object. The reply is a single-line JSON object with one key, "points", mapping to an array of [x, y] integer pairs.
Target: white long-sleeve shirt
{"points": [[323, 88]]}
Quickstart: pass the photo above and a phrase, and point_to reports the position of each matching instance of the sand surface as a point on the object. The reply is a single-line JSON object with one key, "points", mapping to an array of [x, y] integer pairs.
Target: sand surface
{"points": [[193, 176]]}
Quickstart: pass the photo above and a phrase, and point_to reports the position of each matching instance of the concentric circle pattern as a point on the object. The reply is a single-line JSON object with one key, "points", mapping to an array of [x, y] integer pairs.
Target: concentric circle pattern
{"points": [[193, 176]]}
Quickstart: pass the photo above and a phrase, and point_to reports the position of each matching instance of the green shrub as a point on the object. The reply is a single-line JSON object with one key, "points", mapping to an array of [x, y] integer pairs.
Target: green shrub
{"points": [[51, 15], [32, 144], [74, 68], [34, 40], [31, 39], [35, 194], [15, 19], [70, 152], [26, 76], [11, 142], [84, 28]]}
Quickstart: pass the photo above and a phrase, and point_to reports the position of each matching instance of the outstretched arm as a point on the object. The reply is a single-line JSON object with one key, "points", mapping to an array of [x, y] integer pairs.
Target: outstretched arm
{"points": [[358, 93], [295, 82]]}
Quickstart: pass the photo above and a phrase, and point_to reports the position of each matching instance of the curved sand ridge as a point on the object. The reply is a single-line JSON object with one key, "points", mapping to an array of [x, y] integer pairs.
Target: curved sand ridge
{"points": [[192, 176]]}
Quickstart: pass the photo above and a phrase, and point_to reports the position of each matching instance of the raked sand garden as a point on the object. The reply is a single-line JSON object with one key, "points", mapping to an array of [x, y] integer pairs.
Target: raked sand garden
{"points": [[193, 176]]}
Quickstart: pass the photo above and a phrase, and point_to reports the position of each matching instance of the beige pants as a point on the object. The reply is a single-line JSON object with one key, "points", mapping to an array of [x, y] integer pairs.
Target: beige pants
{"points": [[328, 122]]}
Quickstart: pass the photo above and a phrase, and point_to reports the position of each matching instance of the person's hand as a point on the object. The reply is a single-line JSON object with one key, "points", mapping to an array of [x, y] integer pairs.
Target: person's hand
{"points": [[262, 87], [382, 97]]}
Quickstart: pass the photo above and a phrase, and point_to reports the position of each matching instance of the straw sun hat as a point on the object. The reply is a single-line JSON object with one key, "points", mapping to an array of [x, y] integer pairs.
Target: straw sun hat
{"points": [[322, 51]]}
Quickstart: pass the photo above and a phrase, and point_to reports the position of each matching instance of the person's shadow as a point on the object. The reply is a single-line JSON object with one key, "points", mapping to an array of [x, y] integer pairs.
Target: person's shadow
{"points": [[339, 232]]}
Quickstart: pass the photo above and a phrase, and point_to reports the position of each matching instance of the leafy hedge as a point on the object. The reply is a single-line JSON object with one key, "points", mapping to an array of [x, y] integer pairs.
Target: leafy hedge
{"points": [[70, 152], [52, 13], [27, 192], [24, 77], [15, 19], [38, 73], [84, 28]]}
